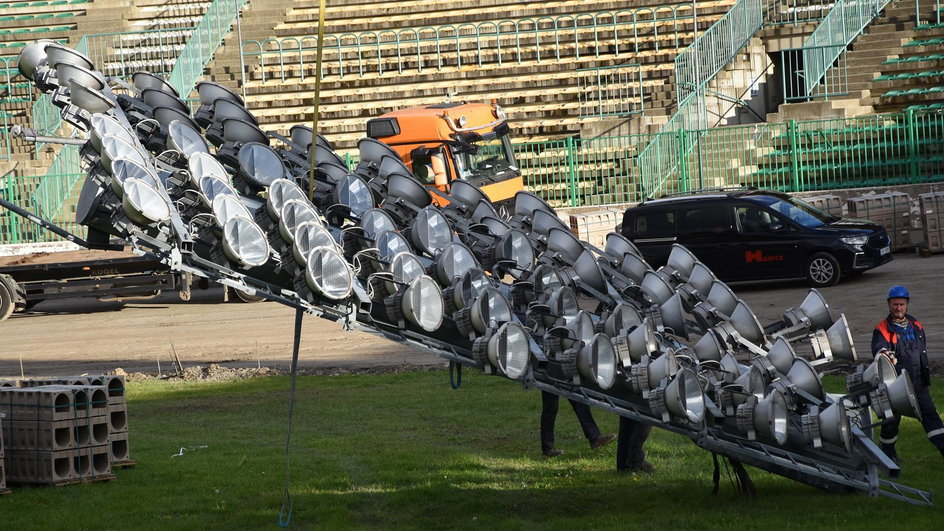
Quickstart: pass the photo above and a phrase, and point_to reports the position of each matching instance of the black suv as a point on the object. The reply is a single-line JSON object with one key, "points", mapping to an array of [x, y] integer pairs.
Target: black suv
{"points": [[752, 234]]}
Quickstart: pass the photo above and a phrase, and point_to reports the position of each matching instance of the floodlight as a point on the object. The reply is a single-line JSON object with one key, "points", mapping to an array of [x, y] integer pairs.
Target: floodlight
{"points": [[294, 213], [375, 222], [642, 342], [546, 278], [803, 377], [781, 355], [896, 399], [328, 274], [226, 207], [710, 347], [143, 204], [158, 98], [89, 99], [681, 261], [281, 191], [484, 210], [211, 187], [210, 92], [564, 245], [635, 267], [244, 243], [513, 246], [831, 425], [673, 316], [421, 303], [466, 195], [123, 169], [390, 244], [32, 56], [835, 343], [103, 124], [508, 349], [526, 203], [146, 80], [562, 338], [58, 55], [617, 246], [85, 77], [308, 237], [543, 221], [648, 374], [259, 166], [466, 288], [746, 323], [326, 154], [655, 287], [595, 361], [407, 189], [242, 131], [371, 150], [488, 310], [622, 318], [880, 371], [302, 137], [563, 304], [331, 171], [812, 310], [165, 115], [765, 416], [721, 297], [116, 147], [697, 287], [430, 231], [352, 192], [404, 268], [186, 140], [682, 397], [454, 260], [205, 165]]}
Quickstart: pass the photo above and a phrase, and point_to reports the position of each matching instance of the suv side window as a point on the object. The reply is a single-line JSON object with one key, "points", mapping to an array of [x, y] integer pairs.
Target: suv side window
{"points": [[702, 220], [755, 220], [655, 224]]}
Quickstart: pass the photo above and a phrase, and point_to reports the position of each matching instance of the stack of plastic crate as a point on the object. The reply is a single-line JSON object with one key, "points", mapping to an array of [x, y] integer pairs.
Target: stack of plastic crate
{"points": [[592, 227], [932, 216], [831, 204], [56, 434], [892, 210]]}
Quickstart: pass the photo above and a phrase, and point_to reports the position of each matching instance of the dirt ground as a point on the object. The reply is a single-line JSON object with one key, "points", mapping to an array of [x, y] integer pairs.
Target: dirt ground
{"points": [[88, 336]]}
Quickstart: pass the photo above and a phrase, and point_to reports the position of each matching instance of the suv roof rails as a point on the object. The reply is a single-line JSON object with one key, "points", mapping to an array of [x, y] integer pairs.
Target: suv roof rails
{"points": [[712, 190]]}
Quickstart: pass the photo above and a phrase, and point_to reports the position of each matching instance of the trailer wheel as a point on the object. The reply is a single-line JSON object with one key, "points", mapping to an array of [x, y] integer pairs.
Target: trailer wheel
{"points": [[6, 302], [246, 297]]}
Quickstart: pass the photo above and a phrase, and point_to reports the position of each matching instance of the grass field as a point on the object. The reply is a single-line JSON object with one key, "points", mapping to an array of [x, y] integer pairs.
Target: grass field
{"points": [[407, 451]]}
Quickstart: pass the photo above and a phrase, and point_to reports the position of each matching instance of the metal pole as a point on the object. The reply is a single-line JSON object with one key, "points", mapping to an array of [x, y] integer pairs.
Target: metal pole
{"points": [[702, 111], [314, 118], [239, 39]]}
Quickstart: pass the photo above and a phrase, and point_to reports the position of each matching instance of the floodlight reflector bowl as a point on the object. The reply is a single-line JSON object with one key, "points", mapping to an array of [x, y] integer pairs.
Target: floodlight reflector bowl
{"points": [[840, 340], [468, 287], [89, 99], [430, 231], [423, 303], [210, 92], [184, 139], [490, 308], [86, 77], [746, 323], [143, 204], [701, 278], [103, 124], [565, 244], [618, 245], [124, 169], [115, 147], [309, 236], [543, 221], [563, 303], [224, 109], [467, 194], [805, 377], [408, 189], [510, 350], [390, 244], [515, 246], [32, 56], [159, 98], [302, 136], [684, 396], [453, 262], [58, 54], [880, 371], [242, 131], [721, 297], [815, 309], [280, 191], [353, 192], [635, 267], [709, 347], [588, 269], [655, 287], [329, 275], [202, 165], [375, 221], [546, 279], [259, 165], [526, 203], [146, 80], [483, 210], [597, 360], [622, 318], [781, 355], [391, 166], [325, 154], [166, 115], [294, 213], [682, 260], [582, 326], [333, 173], [673, 316], [372, 150], [404, 267], [770, 414], [226, 207], [211, 187], [244, 242]]}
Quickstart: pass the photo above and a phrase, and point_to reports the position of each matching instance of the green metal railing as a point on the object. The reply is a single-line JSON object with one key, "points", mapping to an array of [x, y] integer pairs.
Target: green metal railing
{"points": [[610, 91], [834, 82], [203, 43], [34, 193], [781, 12], [122, 54], [845, 21], [6, 148], [695, 67], [927, 14], [493, 42]]}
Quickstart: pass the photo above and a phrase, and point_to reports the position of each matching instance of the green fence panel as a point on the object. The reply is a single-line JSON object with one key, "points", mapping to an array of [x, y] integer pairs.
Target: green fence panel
{"points": [[610, 91], [780, 12], [22, 190], [203, 43]]}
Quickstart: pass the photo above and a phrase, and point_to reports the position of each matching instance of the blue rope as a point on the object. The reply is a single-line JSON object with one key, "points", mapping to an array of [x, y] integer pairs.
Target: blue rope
{"points": [[285, 513], [455, 382]]}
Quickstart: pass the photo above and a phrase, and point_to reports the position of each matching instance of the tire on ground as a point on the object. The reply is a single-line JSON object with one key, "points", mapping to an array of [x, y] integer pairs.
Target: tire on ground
{"points": [[822, 270], [6, 301]]}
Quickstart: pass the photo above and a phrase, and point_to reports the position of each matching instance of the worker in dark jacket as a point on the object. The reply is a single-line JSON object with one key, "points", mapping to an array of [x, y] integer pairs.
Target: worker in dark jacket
{"points": [[549, 404], [901, 337]]}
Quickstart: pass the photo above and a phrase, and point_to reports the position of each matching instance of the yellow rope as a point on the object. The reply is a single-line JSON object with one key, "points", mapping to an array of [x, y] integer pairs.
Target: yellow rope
{"points": [[314, 119]]}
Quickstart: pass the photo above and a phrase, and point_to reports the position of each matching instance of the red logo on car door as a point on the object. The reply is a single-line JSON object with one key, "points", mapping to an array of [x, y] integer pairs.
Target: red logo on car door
{"points": [[758, 257]]}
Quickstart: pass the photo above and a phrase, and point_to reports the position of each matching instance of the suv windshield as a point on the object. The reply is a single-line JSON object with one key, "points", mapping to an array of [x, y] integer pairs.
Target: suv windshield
{"points": [[800, 212], [492, 159]]}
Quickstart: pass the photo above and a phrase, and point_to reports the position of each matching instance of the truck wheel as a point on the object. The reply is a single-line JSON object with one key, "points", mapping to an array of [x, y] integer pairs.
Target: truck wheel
{"points": [[822, 270], [6, 302]]}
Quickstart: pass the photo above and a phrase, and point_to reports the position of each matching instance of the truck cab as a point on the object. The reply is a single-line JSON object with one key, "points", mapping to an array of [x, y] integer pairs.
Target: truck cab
{"points": [[448, 141]]}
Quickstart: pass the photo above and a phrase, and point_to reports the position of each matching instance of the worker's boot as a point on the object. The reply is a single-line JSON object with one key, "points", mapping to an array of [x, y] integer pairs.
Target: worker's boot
{"points": [[938, 441]]}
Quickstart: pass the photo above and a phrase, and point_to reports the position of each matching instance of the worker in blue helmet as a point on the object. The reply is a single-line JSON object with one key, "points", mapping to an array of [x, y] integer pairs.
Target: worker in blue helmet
{"points": [[902, 339]]}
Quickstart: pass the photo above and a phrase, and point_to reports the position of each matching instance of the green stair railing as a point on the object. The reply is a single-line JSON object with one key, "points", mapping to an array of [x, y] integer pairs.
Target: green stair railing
{"points": [[203, 43], [845, 21], [610, 91], [695, 67]]}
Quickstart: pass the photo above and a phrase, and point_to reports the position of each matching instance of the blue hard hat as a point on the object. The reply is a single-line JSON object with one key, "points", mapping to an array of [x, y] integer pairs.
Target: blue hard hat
{"points": [[898, 292]]}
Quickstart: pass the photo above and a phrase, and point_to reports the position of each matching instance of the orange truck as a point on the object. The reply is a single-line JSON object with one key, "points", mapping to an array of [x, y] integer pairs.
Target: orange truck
{"points": [[448, 141]]}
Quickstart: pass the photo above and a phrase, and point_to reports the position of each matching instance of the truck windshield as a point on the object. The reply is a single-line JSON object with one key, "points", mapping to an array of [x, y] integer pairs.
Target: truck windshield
{"points": [[493, 161], [799, 211]]}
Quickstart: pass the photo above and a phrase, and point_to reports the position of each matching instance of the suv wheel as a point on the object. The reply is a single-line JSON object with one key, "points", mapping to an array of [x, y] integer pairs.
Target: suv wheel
{"points": [[822, 270]]}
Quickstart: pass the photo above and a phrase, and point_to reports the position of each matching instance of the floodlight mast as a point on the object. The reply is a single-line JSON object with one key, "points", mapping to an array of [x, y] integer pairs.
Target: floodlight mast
{"points": [[664, 382]]}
